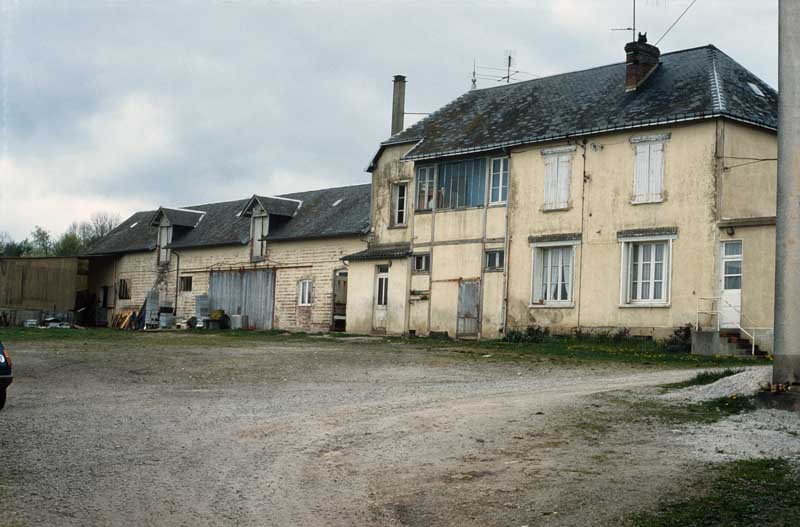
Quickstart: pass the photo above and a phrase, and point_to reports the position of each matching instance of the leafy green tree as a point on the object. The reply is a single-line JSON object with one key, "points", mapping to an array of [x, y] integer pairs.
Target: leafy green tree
{"points": [[22, 248], [41, 241]]}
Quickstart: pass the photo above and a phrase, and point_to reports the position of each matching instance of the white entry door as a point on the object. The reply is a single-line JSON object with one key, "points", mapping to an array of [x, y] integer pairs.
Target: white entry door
{"points": [[381, 298], [731, 285]]}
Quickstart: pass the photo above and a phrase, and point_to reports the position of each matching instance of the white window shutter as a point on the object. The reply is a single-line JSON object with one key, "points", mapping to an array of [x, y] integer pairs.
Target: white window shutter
{"points": [[550, 182], [536, 271], [656, 173], [640, 187], [564, 173]]}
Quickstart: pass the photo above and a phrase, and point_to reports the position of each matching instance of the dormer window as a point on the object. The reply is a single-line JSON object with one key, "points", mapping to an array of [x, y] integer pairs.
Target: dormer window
{"points": [[260, 229], [164, 238]]}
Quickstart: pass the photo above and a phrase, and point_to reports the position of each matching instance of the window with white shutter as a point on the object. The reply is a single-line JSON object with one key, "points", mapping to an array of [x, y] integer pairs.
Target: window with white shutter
{"points": [[557, 174], [648, 181]]}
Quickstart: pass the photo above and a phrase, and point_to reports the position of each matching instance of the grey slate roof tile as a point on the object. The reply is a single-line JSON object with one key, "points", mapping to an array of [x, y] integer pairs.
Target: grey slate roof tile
{"points": [[221, 224], [380, 252], [689, 84]]}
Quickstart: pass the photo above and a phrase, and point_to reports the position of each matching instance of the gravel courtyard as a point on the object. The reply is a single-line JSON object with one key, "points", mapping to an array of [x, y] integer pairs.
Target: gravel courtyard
{"points": [[324, 432]]}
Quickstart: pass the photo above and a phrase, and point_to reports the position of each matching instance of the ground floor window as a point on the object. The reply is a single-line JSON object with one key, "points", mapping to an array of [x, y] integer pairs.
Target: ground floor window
{"points": [[124, 292], [646, 271], [382, 286], [304, 288], [185, 283], [553, 272]]}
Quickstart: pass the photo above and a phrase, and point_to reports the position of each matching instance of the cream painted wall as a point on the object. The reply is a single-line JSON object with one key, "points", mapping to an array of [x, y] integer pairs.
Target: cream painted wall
{"points": [[605, 197], [749, 190], [361, 294]]}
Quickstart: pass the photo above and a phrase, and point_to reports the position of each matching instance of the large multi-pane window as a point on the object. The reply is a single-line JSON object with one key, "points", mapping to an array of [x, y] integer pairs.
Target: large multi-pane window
{"points": [[498, 192], [461, 184], [647, 271], [425, 187], [553, 272]]}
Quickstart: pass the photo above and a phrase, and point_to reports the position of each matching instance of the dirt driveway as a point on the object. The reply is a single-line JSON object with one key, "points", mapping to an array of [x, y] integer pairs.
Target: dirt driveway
{"points": [[320, 433]]}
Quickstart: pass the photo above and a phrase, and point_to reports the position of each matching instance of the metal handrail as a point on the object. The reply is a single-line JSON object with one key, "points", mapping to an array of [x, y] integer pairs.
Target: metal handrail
{"points": [[717, 312]]}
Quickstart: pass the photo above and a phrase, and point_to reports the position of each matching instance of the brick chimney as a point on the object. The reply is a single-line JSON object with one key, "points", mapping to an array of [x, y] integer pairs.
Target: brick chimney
{"points": [[398, 103], [641, 61]]}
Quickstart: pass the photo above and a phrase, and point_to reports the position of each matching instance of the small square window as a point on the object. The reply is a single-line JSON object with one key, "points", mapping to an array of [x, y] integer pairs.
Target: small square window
{"points": [[495, 260], [422, 263], [185, 283]]}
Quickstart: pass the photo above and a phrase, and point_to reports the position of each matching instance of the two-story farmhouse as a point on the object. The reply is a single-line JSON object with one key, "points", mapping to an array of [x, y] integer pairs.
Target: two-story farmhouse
{"points": [[637, 195], [275, 260]]}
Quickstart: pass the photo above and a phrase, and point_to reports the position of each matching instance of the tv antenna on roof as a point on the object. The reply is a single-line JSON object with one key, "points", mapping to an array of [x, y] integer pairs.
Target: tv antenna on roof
{"points": [[632, 29]]}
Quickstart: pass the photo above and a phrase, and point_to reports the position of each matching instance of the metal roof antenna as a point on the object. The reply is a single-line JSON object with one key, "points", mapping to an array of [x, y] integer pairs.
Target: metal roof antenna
{"points": [[632, 29]]}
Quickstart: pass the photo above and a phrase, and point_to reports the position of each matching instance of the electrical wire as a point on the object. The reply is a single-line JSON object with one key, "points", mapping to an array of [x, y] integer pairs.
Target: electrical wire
{"points": [[676, 21]]}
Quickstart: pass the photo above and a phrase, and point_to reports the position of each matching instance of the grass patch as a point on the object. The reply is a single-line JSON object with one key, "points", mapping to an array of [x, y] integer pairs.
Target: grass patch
{"points": [[702, 378], [704, 412], [569, 350], [736, 494]]}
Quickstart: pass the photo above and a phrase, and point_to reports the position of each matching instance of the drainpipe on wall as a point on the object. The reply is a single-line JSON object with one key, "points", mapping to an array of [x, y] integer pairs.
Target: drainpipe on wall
{"points": [[177, 279], [584, 180]]}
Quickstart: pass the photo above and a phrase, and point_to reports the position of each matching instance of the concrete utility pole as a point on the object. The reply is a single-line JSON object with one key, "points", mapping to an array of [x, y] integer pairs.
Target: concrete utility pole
{"points": [[787, 251]]}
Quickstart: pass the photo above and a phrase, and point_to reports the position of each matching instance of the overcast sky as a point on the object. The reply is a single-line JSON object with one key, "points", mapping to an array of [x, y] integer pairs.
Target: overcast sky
{"points": [[124, 106]]}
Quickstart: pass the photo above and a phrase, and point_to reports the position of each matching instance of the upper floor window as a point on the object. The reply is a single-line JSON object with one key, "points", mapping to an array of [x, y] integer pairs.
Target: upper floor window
{"points": [[499, 181], [164, 238], [648, 181], [461, 184], [304, 290], [425, 188], [260, 231], [557, 175], [494, 260], [422, 263], [400, 198]]}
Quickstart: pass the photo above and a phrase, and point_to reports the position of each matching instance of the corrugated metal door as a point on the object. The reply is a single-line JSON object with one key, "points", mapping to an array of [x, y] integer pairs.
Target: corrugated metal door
{"points": [[469, 303], [250, 293]]}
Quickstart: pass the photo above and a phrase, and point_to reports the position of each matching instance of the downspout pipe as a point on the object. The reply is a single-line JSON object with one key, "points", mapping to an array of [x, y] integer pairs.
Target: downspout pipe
{"points": [[177, 279]]}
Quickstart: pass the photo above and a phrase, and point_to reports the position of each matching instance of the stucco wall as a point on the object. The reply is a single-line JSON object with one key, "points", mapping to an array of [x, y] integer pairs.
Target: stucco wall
{"points": [[748, 190], [600, 206]]}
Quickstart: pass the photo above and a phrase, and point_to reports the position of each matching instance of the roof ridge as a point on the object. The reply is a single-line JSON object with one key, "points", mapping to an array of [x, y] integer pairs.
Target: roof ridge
{"points": [[717, 96], [321, 189], [582, 70]]}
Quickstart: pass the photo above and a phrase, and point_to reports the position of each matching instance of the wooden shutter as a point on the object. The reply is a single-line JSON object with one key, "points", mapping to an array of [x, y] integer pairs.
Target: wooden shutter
{"points": [[550, 182], [641, 177], [564, 173], [656, 172]]}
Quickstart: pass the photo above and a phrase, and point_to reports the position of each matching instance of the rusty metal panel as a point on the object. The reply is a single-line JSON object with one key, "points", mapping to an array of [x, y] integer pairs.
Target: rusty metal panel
{"points": [[250, 293], [469, 302]]}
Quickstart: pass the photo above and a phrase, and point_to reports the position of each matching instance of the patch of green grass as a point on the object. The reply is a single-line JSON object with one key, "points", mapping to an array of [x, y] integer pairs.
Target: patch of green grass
{"points": [[704, 412], [704, 377], [735, 494]]}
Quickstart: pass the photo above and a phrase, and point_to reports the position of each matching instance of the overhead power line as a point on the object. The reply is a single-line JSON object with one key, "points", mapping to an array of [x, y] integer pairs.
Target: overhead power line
{"points": [[676, 21]]}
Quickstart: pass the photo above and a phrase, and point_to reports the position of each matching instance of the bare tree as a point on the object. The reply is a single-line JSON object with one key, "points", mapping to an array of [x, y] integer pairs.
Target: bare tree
{"points": [[98, 225]]}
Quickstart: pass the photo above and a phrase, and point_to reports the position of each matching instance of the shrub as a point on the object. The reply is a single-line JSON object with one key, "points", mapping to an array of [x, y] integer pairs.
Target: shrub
{"points": [[531, 334], [680, 341]]}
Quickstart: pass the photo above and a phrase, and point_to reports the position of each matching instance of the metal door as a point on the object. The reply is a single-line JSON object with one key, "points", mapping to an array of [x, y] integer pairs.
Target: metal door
{"points": [[381, 303], [469, 304], [730, 305], [250, 293]]}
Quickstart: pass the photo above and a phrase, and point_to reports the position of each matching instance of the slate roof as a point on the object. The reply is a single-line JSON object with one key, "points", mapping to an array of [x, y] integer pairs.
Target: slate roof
{"points": [[221, 224], [279, 207], [179, 217], [380, 252], [695, 83]]}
